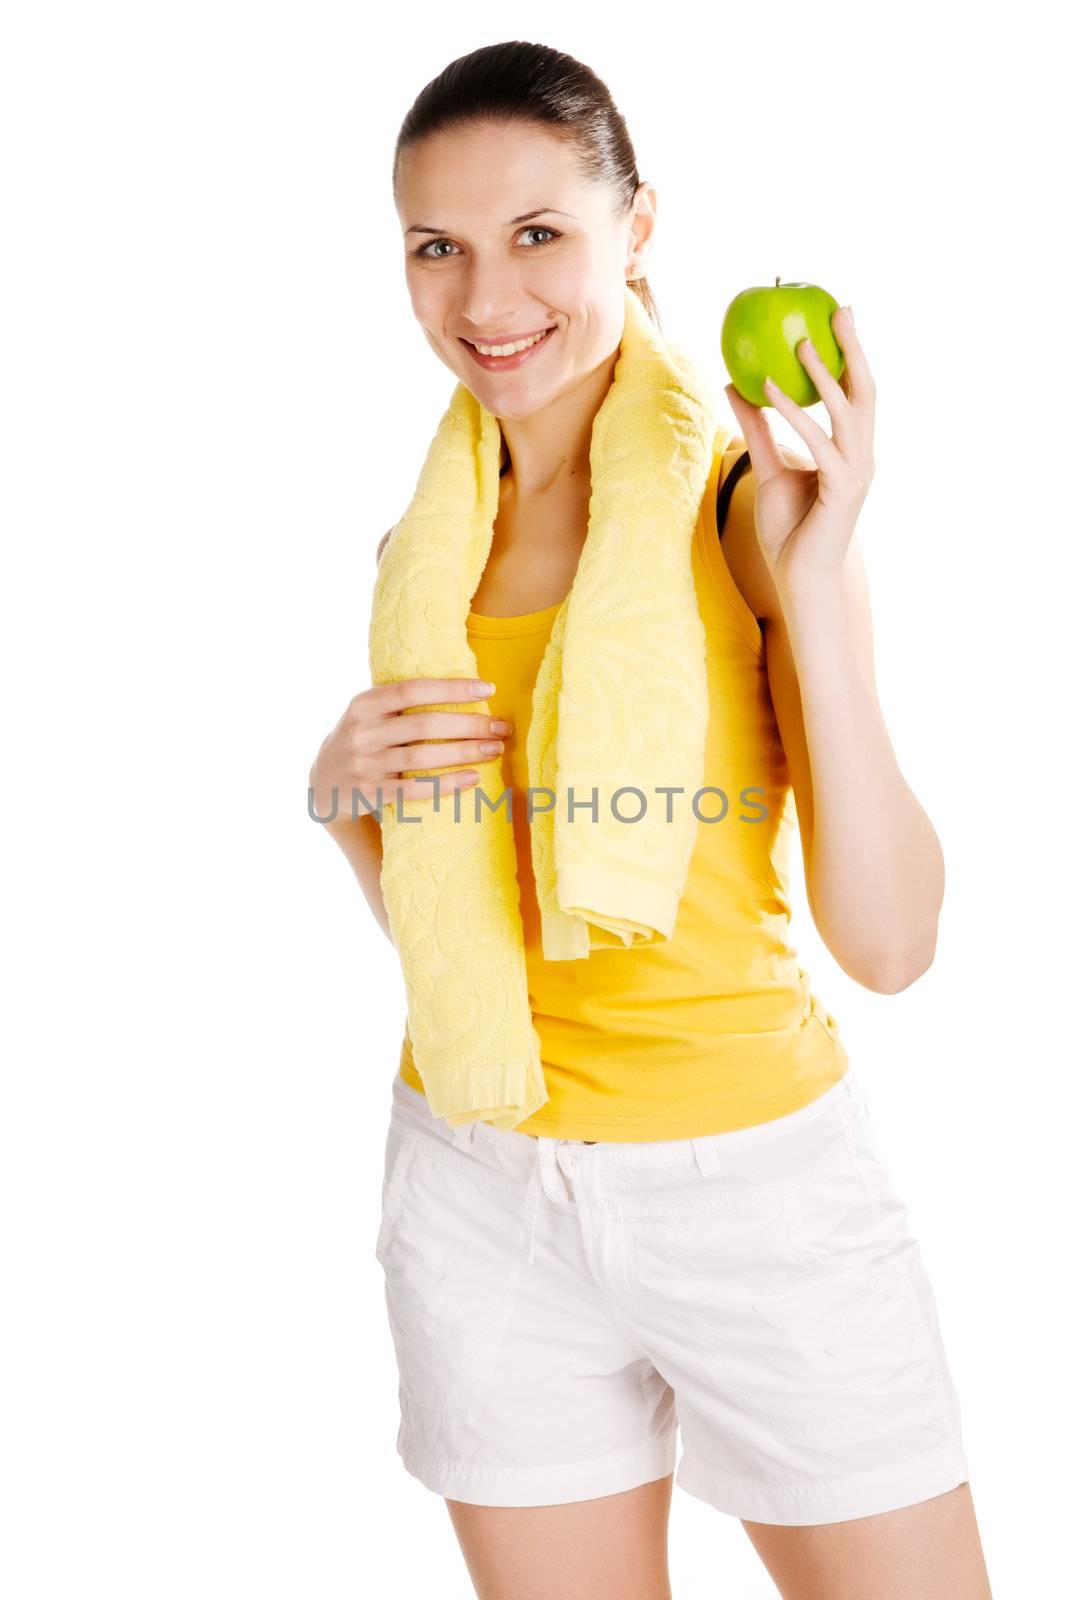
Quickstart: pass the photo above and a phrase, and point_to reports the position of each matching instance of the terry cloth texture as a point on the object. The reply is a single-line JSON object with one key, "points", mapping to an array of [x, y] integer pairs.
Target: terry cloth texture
{"points": [[620, 704]]}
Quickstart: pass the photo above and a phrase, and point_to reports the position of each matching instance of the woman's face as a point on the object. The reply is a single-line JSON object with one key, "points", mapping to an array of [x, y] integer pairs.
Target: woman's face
{"points": [[504, 238]]}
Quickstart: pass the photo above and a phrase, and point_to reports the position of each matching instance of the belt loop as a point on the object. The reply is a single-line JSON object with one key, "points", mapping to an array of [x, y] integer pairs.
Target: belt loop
{"points": [[706, 1156], [550, 1152], [463, 1135]]}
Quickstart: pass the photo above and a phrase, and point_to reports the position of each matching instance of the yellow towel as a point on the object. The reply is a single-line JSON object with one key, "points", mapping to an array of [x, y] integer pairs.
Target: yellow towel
{"points": [[620, 704]]}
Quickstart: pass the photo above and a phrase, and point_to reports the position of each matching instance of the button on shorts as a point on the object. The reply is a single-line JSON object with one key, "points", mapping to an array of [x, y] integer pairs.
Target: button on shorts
{"points": [[561, 1310]]}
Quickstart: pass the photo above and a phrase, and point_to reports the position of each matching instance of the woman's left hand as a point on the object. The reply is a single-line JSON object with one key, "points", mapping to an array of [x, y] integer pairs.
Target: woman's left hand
{"points": [[805, 516]]}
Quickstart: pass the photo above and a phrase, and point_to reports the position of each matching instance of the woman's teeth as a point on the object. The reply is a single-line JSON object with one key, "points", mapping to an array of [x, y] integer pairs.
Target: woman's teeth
{"points": [[509, 349]]}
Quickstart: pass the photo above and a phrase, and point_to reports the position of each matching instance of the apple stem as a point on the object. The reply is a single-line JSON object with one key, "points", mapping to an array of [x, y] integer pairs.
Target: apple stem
{"points": [[777, 280]]}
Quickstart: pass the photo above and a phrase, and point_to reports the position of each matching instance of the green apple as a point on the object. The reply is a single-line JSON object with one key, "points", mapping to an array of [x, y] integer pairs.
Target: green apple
{"points": [[760, 333]]}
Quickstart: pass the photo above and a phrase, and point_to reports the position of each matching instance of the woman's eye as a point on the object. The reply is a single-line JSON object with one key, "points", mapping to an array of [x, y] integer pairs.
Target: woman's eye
{"points": [[428, 251], [426, 248], [537, 228]]}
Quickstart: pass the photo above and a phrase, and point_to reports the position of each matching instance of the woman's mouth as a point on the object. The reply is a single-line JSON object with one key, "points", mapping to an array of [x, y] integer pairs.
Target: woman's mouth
{"points": [[511, 355]]}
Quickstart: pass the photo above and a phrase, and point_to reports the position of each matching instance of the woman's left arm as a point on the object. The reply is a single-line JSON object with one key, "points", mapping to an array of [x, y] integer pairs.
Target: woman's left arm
{"points": [[873, 864]]}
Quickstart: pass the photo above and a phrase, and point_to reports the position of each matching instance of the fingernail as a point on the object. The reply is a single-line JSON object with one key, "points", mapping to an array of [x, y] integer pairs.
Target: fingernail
{"points": [[482, 687], [851, 318], [772, 386]]}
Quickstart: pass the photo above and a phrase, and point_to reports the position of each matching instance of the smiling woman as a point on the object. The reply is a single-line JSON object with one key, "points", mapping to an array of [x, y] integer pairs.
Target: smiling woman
{"points": [[630, 1181], [483, 273]]}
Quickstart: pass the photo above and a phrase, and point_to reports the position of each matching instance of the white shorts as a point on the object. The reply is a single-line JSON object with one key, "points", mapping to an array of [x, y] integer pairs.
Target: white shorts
{"points": [[559, 1309]]}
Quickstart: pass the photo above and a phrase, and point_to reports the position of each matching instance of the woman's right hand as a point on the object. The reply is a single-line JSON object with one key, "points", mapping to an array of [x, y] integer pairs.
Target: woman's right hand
{"points": [[379, 736]]}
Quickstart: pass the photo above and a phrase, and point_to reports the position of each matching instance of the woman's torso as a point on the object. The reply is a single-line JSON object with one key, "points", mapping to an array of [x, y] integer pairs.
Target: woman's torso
{"points": [[717, 1027]]}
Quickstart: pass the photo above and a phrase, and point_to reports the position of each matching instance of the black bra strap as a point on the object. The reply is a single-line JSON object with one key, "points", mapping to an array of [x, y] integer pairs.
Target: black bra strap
{"points": [[726, 489]]}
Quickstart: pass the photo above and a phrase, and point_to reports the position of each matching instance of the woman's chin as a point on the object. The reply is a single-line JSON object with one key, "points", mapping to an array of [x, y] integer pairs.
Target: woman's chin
{"points": [[513, 406]]}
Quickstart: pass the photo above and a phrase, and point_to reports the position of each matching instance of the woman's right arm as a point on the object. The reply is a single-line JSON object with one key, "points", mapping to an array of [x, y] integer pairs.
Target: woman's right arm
{"points": [[379, 736]]}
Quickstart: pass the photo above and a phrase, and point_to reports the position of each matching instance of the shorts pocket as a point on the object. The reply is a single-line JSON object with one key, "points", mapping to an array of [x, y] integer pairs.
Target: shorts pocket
{"points": [[849, 1219], [453, 1265], [399, 1150]]}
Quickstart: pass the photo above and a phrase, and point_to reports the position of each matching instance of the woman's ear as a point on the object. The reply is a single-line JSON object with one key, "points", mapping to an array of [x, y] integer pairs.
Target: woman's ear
{"points": [[642, 227]]}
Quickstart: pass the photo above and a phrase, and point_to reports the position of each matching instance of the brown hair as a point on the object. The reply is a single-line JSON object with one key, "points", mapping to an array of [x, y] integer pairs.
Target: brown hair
{"points": [[517, 80]]}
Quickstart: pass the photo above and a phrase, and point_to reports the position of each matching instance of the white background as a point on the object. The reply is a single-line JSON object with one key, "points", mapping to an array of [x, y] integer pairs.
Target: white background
{"points": [[215, 401]]}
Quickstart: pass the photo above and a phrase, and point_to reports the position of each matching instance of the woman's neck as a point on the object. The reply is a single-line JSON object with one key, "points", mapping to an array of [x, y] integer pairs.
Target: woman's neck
{"points": [[547, 452]]}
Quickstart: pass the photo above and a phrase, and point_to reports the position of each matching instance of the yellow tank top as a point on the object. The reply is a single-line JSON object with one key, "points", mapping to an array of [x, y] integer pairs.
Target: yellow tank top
{"points": [[715, 1028]]}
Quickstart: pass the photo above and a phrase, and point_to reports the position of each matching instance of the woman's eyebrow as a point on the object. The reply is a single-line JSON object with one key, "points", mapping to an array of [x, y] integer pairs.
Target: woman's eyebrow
{"points": [[541, 211]]}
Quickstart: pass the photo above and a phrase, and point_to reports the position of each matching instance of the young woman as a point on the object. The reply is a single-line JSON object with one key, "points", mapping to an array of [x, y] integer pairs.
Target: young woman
{"points": [[697, 1228]]}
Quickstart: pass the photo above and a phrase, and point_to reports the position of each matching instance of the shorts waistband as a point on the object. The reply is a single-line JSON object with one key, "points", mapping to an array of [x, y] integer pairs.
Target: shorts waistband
{"points": [[554, 1157], [661, 1154]]}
